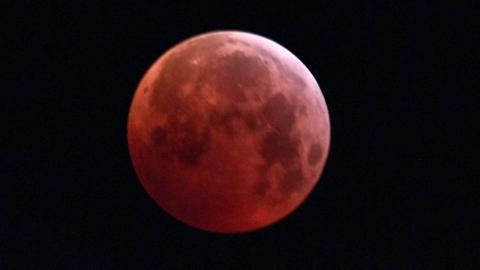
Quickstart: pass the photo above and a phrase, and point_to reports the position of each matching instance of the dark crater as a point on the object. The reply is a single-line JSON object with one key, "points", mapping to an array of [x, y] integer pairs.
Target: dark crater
{"points": [[279, 113], [292, 180], [181, 141], [279, 147], [315, 153]]}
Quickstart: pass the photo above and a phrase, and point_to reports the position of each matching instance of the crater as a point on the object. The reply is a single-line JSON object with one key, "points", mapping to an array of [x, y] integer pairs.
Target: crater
{"points": [[159, 139], [279, 113], [237, 72], [279, 147], [261, 187], [292, 180], [285, 72], [191, 148], [303, 110], [158, 136], [315, 153], [181, 141], [251, 121], [234, 41], [224, 120]]}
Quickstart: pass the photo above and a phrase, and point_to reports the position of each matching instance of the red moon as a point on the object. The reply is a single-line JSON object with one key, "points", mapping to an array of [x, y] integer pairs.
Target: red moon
{"points": [[228, 132]]}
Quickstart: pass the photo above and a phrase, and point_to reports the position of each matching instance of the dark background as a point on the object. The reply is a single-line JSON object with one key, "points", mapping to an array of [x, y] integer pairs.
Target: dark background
{"points": [[400, 188]]}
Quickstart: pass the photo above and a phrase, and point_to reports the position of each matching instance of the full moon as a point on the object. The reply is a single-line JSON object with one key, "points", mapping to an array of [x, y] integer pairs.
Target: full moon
{"points": [[228, 132]]}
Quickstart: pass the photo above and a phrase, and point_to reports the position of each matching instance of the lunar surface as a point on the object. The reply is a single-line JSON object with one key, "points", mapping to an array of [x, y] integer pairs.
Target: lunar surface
{"points": [[228, 132]]}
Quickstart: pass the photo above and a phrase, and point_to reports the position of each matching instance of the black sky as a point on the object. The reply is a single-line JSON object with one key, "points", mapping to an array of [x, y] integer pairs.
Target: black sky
{"points": [[400, 189]]}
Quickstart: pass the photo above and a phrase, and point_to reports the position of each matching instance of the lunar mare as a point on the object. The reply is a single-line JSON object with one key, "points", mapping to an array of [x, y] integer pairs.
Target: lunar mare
{"points": [[228, 132]]}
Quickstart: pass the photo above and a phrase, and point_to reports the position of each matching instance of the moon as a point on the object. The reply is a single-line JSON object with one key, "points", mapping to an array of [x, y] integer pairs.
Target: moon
{"points": [[228, 132]]}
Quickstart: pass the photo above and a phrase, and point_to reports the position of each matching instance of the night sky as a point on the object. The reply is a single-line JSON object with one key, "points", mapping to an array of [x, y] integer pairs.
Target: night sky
{"points": [[399, 190]]}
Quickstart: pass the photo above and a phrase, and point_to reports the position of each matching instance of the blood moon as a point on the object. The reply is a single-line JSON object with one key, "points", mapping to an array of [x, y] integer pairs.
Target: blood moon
{"points": [[228, 131]]}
